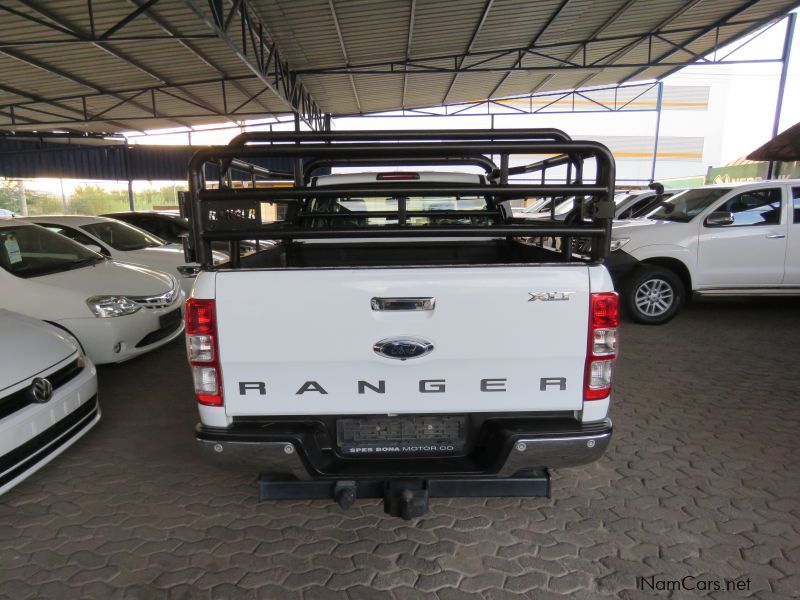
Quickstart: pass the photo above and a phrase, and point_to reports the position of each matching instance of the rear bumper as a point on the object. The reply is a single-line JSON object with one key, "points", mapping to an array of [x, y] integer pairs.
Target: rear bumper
{"points": [[510, 450]]}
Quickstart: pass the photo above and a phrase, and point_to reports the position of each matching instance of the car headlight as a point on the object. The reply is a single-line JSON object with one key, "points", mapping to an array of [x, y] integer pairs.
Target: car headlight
{"points": [[112, 306], [618, 243]]}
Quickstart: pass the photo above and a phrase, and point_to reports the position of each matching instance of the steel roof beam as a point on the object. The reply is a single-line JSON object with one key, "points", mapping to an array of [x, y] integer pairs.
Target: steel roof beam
{"points": [[486, 8], [758, 24], [197, 52], [599, 31], [38, 21], [36, 99], [139, 10], [578, 46], [653, 32], [536, 38], [411, 16], [95, 41], [332, 6], [730, 15], [32, 5], [260, 56]]}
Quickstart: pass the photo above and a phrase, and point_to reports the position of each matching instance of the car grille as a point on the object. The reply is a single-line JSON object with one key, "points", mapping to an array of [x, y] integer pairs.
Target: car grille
{"points": [[34, 451], [19, 400], [159, 301]]}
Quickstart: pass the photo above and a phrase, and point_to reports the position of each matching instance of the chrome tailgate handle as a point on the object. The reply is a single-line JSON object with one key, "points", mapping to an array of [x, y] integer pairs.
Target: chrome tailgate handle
{"points": [[403, 303]]}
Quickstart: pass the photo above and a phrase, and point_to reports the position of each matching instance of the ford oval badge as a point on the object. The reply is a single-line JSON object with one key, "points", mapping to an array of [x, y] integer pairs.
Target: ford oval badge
{"points": [[403, 348]]}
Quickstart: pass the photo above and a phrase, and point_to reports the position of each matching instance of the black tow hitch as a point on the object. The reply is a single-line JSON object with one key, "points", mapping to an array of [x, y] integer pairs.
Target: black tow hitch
{"points": [[404, 498]]}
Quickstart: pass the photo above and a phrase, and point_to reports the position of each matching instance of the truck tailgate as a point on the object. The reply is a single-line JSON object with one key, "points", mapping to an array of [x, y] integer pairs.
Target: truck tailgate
{"points": [[299, 342]]}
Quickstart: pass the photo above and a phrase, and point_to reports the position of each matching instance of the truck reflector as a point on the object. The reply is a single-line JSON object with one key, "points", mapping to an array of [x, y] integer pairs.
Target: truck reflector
{"points": [[602, 347]]}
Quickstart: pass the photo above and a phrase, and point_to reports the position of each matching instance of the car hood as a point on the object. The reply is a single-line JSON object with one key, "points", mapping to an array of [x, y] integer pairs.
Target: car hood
{"points": [[650, 232], [111, 277], [641, 226], [29, 346]]}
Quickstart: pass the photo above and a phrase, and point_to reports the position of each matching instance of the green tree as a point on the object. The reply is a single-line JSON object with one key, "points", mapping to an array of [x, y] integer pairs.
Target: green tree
{"points": [[92, 199], [9, 195]]}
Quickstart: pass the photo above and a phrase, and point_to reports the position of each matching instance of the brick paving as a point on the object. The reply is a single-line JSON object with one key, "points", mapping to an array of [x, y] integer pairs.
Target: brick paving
{"points": [[702, 479]]}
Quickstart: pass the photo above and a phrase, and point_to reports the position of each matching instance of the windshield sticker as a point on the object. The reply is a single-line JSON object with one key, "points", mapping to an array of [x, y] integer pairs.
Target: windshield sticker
{"points": [[12, 249]]}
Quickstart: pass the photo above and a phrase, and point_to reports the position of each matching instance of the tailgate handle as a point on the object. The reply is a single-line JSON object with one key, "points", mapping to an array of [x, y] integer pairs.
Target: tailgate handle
{"points": [[403, 303]]}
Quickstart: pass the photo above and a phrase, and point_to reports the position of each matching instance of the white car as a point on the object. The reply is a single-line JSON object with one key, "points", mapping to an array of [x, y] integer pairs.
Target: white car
{"points": [[116, 310], [730, 239], [48, 395], [125, 242]]}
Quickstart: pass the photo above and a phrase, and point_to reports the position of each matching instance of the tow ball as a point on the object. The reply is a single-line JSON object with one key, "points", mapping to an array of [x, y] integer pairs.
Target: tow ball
{"points": [[407, 499]]}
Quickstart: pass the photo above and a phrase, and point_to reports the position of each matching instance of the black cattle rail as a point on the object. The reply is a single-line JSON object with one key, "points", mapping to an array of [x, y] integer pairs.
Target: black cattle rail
{"points": [[235, 214]]}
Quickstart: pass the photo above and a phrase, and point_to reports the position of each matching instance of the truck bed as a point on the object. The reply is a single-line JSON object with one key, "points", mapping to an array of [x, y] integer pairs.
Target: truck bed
{"points": [[404, 253]]}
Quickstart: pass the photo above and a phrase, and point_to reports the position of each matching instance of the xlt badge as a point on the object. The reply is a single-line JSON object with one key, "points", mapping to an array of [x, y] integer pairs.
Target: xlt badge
{"points": [[403, 348], [550, 296]]}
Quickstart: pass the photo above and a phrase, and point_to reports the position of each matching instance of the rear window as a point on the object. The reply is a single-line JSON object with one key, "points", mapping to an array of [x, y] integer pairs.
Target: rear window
{"points": [[122, 236], [361, 211]]}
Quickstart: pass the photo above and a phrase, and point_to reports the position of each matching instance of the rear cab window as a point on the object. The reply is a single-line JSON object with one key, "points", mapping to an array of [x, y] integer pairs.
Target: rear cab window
{"points": [[361, 211]]}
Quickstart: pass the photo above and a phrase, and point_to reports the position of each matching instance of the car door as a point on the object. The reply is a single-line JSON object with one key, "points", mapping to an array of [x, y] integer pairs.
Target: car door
{"points": [[750, 251], [792, 274]]}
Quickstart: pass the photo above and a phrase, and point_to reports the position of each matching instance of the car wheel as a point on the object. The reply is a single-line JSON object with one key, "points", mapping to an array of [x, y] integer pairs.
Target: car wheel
{"points": [[653, 295]]}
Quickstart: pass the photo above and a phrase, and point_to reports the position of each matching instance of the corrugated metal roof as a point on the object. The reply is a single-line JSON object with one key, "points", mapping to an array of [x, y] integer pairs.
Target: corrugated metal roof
{"points": [[168, 67]]}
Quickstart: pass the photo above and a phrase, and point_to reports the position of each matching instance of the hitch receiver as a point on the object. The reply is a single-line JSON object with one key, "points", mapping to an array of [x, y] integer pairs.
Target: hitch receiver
{"points": [[405, 499]]}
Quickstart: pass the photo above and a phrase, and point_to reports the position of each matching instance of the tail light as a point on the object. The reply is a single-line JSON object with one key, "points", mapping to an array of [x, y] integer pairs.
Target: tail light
{"points": [[203, 350], [602, 350]]}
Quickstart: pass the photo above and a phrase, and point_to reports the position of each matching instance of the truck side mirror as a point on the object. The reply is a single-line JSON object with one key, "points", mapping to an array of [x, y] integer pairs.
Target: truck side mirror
{"points": [[719, 218]]}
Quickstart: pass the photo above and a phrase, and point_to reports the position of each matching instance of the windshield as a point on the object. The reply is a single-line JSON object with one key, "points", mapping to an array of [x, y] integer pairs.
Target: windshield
{"points": [[122, 236], [360, 208], [565, 206], [687, 205], [30, 251]]}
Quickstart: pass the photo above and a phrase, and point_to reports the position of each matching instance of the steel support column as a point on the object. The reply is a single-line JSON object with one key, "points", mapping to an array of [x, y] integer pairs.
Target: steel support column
{"points": [[658, 128], [787, 51]]}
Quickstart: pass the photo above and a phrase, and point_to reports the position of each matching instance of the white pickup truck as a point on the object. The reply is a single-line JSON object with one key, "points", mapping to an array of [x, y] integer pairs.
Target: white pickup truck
{"points": [[404, 339], [727, 239]]}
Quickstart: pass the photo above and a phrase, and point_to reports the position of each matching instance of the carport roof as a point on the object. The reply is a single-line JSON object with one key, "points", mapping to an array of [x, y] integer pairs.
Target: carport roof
{"points": [[121, 65]]}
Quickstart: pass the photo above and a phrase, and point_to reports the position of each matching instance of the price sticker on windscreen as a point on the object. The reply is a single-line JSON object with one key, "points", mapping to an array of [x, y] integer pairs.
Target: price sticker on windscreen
{"points": [[12, 250]]}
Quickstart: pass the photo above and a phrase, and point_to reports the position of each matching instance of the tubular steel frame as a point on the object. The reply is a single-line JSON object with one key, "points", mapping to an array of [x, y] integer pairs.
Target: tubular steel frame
{"points": [[217, 214]]}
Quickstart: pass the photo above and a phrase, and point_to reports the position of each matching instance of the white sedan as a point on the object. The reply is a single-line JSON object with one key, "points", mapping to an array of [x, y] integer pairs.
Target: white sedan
{"points": [[48, 395], [125, 242], [116, 310]]}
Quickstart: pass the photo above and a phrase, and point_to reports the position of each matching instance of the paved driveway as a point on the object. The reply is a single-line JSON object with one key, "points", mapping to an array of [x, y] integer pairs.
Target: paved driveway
{"points": [[702, 480]]}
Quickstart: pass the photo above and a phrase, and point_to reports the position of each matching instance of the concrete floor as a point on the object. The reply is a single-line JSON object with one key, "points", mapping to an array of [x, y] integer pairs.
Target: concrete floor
{"points": [[702, 479]]}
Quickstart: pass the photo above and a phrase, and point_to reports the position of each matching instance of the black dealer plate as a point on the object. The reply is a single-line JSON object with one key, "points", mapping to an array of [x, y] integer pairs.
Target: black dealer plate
{"points": [[394, 436]]}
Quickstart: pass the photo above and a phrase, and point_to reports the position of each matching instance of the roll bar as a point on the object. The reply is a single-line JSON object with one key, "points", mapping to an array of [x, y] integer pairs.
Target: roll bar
{"points": [[235, 214]]}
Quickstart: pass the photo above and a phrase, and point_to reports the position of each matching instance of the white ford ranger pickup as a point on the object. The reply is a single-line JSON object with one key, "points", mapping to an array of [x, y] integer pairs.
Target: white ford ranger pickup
{"points": [[405, 337]]}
